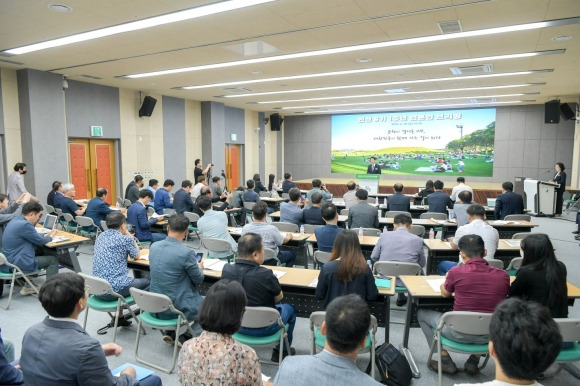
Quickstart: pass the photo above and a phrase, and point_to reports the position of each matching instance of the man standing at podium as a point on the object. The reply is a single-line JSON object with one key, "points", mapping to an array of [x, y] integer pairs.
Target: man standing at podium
{"points": [[373, 167]]}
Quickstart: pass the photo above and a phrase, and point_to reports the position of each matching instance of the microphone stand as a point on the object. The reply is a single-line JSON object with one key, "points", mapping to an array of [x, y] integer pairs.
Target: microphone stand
{"points": [[543, 174]]}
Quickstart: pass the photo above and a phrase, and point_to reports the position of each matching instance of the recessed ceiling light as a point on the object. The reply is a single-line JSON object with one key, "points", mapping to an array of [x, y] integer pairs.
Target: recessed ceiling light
{"points": [[396, 90], [255, 72], [561, 38], [363, 60], [59, 8]]}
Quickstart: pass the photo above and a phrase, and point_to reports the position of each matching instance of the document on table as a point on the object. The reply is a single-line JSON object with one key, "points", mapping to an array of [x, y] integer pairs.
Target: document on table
{"points": [[436, 284], [513, 243], [278, 274], [214, 264], [143, 257], [58, 239], [155, 215], [265, 378], [447, 243], [313, 283]]}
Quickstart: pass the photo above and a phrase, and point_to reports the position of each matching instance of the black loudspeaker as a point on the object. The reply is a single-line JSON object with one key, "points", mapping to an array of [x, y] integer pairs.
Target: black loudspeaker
{"points": [[276, 122], [567, 111], [147, 107], [552, 112]]}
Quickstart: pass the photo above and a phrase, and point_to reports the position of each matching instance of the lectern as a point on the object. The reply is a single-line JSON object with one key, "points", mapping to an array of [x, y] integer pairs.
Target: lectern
{"points": [[540, 197]]}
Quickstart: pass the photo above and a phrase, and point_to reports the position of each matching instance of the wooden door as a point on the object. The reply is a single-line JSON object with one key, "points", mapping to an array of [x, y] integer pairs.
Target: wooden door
{"points": [[92, 166], [233, 155]]}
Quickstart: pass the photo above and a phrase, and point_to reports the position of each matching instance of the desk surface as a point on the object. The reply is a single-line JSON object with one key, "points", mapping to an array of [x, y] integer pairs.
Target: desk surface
{"points": [[366, 240], [273, 199], [74, 239], [237, 231], [440, 245]]}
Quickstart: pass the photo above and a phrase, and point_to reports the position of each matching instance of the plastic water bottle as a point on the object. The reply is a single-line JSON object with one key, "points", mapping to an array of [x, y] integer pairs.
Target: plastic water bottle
{"points": [[346, 225], [360, 233], [384, 201], [385, 229], [369, 262], [117, 205], [431, 234], [301, 230]]}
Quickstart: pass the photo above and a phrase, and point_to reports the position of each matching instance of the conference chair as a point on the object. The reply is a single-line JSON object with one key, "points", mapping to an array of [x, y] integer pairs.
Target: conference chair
{"points": [[69, 223], [15, 274], [514, 265], [151, 304], [214, 245], [104, 225], [393, 213], [320, 258], [397, 268], [193, 219], [248, 206], [259, 317], [418, 230], [285, 196], [474, 323], [369, 231], [520, 235], [127, 203], [96, 287], [433, 215], [150, 211], [87, 222], [570, 330], [518, 217], [168, 211], [265, 194], [344, 212], [495, 263], [572, 205], [269, 254], [120, 202], [49, 209], [318, 340], [286, 227]]}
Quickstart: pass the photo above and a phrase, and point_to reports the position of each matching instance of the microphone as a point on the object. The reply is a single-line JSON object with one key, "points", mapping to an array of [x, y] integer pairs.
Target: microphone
{"points": [[543, 174]]}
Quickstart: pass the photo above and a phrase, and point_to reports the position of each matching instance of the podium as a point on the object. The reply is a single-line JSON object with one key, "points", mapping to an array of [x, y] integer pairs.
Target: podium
{"points": [[540, 197]]}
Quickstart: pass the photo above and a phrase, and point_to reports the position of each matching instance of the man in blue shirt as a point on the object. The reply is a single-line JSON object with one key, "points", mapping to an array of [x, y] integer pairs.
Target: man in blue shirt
{"points": [[439, 201], [137, 216], [67, 205], [317, 187], [250, 194], [20, 240], [326, 235], [97, 208], [290, 211], [153, 186], [182, 201], [163, 198]]}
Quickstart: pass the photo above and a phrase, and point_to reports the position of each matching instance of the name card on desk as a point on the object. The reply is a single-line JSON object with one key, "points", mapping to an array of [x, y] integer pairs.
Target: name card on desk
{"points": [[383, 283]]}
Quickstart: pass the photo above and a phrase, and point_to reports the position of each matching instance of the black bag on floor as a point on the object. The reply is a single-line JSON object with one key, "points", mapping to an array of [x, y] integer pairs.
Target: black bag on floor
{"points": [[392, 366]]}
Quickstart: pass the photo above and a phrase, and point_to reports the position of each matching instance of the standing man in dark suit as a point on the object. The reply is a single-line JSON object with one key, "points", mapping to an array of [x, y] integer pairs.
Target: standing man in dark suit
{"points": [[398, 201], [363, 215], [373, 167], [508, 202], [439, 201]]}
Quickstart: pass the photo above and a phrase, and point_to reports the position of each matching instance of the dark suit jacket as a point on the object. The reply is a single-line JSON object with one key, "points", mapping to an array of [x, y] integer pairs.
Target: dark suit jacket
{"points": [[287, 185], [376, 171], [363, 215], [58, 352], [439, 202], [182, 202], [560, 179], [398, 201], [508, 203], [137, 216]]}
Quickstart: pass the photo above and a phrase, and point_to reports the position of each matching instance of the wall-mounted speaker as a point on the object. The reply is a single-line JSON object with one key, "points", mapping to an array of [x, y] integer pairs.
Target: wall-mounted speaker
{"points": [[276, 121], [552, 112], [567, 111], [147, 107]]}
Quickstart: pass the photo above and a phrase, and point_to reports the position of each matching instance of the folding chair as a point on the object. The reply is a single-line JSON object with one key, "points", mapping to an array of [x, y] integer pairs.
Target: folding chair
{"points": [[518, 217], [265, 194], [168, 211], [15, 274], [83, 221], [248, 206], [151, 304], [520, 235], [120, 202], [570, 330], [344, 212], [286, 227], [50, 209], [193, 218], [318, 340], [259, 317], [572, 205], [473, 323], [104, 225], [217, 245], [434, 215], [150, 211], [269, 254], [127, 203], [418, 230], [495, 263], [69, 223], [285, 196], [514, 266], [369, 231], [97, 287], [393, 213], [397, 268], [321, 257]]}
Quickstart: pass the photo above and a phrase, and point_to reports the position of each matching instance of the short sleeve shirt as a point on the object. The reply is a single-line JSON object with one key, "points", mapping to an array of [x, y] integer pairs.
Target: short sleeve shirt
{"points": [[110, 261], [69, 206], [271, 236], [260, 283]]}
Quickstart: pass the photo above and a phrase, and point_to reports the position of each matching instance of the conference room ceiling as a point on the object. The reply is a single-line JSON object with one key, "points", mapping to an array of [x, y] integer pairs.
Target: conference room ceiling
{"points": [[286, 27]]}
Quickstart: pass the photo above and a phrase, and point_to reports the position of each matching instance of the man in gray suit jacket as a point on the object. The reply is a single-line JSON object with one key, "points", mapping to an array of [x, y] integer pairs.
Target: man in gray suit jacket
{"points": [[363, 215], [59, 351], [176, 273], [345, 327]]}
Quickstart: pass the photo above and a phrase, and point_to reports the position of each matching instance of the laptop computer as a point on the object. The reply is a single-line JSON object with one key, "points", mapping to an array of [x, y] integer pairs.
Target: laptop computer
{"points": [[48, 225]]}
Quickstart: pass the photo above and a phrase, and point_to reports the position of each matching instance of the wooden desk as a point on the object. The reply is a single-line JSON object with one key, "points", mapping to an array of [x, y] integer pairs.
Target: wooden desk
{"points": [[439, 250], [65, 251], [367, 241]]}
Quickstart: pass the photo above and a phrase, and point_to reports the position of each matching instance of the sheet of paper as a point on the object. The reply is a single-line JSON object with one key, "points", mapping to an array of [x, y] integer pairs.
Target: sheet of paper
{"points": [[214, 264], [435, 284], [313, 283], [155, 215], [144, 257], [513, 243], [278, 274], [265, 378], [58, 239]]}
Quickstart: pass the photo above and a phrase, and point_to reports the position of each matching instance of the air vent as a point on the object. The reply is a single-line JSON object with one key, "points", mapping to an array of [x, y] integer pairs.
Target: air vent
{"points": [[483, 100], [236, 90], [472, 70], [252, 48], [91, 77], [450, 27]]}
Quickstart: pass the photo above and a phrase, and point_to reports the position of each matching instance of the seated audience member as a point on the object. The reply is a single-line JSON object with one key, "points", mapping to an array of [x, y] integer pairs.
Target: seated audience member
{"points": [[313, 215], [400, 245], [112, 248], [250, 194], [176, 273], [523, 342], [476, 226], [460, 207], [542, 278], [345, 327], [214, 224], [427, 191], [19, 243], [206, 192], [290, 211], [215, 357], [98, 209], [153, 186], [272, 186], [218, 193], [67, 205], [508, 202], [196, 191], [262, 288], [163, 198], [137, 216], [56, 185], [258, 186], [8, 211], [317, 187], [326, 235], [58, 196], [9, 373], [398, 201], [288, 183], [271, 236], [439, 201], [182, 201], [346, 272], [477, 287], [460, 187], [59, 351], [236, 200], [363, 215], [350, 196], [132, 191]]}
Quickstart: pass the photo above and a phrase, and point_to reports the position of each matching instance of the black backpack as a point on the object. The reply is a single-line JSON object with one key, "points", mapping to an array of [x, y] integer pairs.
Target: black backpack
{"points": [[392, 366]]}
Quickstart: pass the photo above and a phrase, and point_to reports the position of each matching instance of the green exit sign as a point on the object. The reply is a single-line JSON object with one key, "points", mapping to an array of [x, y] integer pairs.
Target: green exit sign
{"points": [[96, 131]]}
